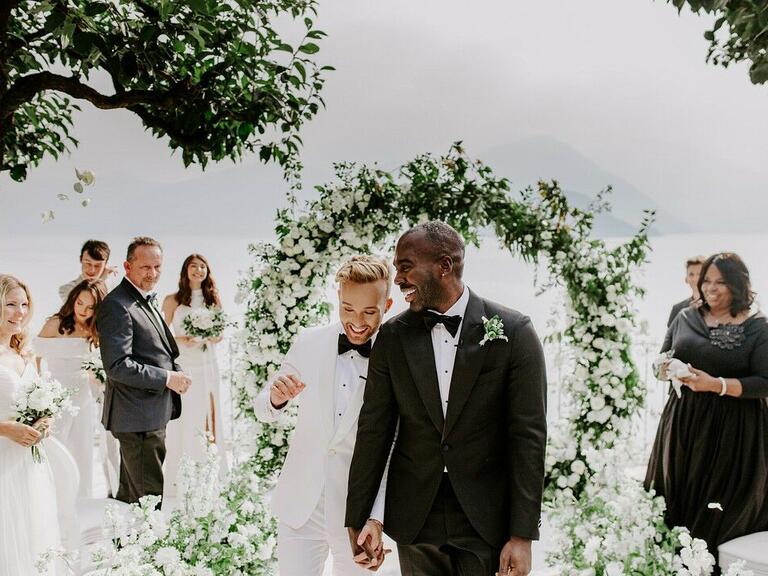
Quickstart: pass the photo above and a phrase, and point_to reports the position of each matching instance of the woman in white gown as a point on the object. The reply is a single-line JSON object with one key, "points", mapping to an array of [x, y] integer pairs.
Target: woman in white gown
{"points": [[200, 408], [29, 523], [63, 343]]}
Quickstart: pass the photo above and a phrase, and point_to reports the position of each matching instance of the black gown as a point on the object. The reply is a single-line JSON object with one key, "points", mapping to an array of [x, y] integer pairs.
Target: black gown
{"points": [[713, 449]]}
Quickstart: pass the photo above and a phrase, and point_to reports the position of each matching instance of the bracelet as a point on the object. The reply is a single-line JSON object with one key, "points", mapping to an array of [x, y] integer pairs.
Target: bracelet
{"points": [[724, 384]]}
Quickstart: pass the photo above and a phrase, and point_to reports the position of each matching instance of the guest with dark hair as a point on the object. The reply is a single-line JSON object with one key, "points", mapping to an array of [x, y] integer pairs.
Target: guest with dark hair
{"points": [[65, 339], [94, 265], [692, 272], [197, 289], [711, 446]]}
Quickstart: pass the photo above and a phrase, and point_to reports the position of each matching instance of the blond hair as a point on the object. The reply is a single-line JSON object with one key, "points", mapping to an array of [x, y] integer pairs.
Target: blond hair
{"points": [[364, 268], [7, 283]]}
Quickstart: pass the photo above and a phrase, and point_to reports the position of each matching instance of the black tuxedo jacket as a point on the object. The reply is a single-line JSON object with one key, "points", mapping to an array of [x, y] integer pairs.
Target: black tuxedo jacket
{"points": [[492, 439], [137, 350]]}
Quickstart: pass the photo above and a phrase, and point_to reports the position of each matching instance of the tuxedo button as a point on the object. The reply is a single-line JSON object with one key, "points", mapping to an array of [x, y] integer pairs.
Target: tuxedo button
{"points": [[446, 447]]}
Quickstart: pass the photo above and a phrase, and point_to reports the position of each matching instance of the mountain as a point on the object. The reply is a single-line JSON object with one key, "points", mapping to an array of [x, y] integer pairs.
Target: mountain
{"points": [[528, 160], [241, 200]]}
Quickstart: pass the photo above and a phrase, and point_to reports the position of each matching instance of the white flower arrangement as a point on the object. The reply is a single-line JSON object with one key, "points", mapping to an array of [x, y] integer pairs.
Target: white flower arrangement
{"points": [[41, 396], [217, 529], [92, 364], [206, 323], [494, 330]]}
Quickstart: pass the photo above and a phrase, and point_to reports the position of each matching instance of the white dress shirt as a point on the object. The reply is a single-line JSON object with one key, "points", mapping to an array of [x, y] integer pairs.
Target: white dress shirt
{"points": [[351, 370], [444, 346]]}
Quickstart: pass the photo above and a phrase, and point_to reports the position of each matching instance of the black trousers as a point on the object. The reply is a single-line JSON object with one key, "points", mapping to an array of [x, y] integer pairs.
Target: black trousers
{"points": [[141, 464], [448, 545]]}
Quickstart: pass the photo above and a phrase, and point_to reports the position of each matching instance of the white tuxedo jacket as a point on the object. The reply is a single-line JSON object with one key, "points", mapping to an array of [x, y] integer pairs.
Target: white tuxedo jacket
{"points": [[318, 457]]}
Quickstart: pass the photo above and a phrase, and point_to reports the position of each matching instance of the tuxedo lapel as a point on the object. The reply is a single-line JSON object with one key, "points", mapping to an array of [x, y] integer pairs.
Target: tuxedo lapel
{"points": [[417, 344], [162, 330], [469, 360], [327, 351]]}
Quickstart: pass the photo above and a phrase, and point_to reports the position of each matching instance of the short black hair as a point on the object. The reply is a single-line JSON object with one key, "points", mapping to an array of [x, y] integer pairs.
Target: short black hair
{"points": [[96, 249], [736, 277], [445, 240]]}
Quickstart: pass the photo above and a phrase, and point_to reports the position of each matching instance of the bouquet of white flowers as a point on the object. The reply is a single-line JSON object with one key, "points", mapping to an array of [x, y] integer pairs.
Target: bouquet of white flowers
{"points": [[92, 363], [42, 397], [206, 323]]}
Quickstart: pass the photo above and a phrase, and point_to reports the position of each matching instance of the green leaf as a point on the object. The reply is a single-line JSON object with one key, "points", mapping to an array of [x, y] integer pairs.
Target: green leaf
{"points": [[95, 8], [309, 48]]}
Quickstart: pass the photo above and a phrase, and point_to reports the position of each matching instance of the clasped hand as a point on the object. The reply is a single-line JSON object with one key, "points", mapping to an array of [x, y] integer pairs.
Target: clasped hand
{"points": [[368, 545]]}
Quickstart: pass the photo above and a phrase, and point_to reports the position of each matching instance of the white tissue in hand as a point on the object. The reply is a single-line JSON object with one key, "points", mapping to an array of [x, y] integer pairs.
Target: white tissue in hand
{"points": [[677, 369]]}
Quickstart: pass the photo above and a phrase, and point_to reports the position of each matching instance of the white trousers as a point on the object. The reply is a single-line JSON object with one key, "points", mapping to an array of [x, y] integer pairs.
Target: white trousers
{"points": [[303, 551]]}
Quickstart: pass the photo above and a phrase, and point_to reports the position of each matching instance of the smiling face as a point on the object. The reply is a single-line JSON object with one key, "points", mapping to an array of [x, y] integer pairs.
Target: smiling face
{"points": [[197, 271], [362, 308], [92, 269], [84, 307], [715, 290], [15, 313], [145, 266], [418, 272]]}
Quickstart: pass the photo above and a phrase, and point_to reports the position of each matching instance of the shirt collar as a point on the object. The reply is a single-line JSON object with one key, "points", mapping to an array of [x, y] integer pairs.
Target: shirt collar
{"points": [[459, 307], [142, 292]]}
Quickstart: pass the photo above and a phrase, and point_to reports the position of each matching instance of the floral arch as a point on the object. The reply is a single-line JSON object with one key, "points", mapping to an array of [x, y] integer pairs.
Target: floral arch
{"points": [[606, 523]]}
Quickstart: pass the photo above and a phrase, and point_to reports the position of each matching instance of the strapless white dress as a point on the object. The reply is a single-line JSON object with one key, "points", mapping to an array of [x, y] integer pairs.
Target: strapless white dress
{"points": [[200, 411], [29, 506]]}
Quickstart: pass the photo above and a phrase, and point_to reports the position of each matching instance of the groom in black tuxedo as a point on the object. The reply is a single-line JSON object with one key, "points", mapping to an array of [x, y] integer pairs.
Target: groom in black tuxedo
{"points": [[144, 382], [466, 473]]}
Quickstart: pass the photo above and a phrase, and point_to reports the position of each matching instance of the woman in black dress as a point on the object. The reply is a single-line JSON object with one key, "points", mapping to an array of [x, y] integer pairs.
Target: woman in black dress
{"points": [[712, 443]]}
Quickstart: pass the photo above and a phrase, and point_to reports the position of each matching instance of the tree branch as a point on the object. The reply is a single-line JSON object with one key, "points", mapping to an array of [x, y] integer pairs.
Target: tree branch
{"points": [[6, 6], [27, 87], [184, 140], [147, 10]]}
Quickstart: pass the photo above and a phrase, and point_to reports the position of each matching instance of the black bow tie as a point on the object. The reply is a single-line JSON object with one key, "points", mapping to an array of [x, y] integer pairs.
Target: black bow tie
{"points": [[345, 346], [451, 323]]}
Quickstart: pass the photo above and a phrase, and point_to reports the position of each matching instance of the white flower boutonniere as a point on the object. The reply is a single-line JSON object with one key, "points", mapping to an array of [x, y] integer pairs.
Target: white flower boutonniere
{"points": [[494, 330]]}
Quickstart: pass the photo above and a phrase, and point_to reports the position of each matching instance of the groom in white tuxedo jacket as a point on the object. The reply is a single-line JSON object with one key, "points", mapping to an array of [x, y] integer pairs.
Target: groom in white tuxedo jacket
{"points": [[324, 372]]}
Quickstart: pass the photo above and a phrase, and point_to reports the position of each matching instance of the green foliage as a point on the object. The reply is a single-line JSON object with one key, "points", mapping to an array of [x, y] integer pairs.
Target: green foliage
{"points": [[217, 78], [740, 33]]}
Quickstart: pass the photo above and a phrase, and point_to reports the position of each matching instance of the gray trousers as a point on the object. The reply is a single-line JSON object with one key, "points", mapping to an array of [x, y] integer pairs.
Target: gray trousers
{"points": [[141, 464], [448, 545]]}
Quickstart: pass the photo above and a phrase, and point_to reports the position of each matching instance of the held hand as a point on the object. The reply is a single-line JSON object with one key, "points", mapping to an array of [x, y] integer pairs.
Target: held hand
{"points": [[515, 558], [284, 388], [43, 426], [179, 382], [363, 555], [20, 433], [701, 381], [371, 541], [108, 271]]}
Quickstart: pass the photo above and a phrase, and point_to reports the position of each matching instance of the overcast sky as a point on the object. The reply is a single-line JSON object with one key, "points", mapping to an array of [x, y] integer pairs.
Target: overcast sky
{"points": [[622, 82]]}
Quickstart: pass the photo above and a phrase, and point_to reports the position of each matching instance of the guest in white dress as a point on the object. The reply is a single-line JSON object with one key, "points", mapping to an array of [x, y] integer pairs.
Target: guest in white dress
{"points": [[29, 523], [63, 343], [200, 416]]}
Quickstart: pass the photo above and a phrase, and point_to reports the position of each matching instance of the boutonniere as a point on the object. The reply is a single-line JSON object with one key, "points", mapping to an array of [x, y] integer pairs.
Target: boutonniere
{"points": [[494, 330]]}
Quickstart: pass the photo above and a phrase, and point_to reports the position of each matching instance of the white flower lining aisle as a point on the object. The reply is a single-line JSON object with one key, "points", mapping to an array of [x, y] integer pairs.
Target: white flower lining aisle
{"points": [[603, 520]]}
